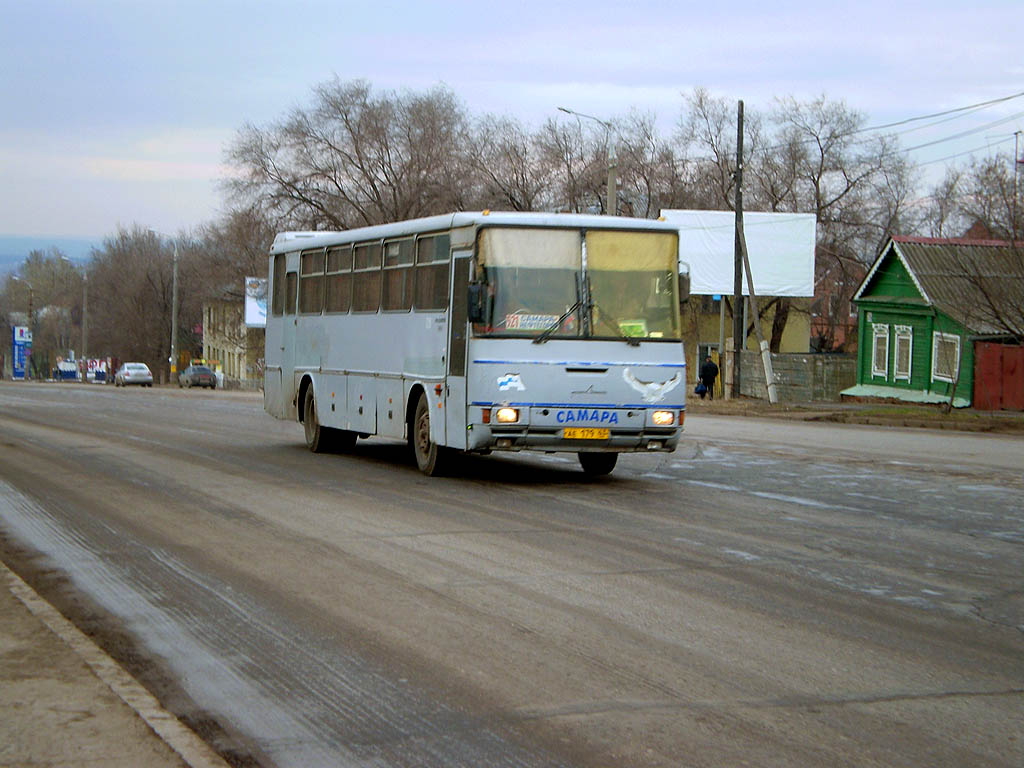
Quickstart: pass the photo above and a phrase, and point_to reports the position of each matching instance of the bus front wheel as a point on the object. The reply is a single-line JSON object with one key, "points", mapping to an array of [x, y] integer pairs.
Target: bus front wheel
{"points": [[430, 457], [598, 463], [321, 439], [318, 439]]}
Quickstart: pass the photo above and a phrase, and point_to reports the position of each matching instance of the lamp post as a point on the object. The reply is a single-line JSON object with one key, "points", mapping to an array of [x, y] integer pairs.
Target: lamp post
{"points": [[613, 201], [173, 360], [84, 353]]}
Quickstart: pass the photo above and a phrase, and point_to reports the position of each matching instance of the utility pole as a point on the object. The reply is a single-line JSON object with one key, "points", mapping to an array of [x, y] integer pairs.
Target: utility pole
{"points": [[173, 357], [742, 264], [1016, 186], [85, 321], [174, 316], [738, 331]]}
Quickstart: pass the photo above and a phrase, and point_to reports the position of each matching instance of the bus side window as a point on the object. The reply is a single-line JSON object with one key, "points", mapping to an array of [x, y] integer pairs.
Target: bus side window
{"points": [[339, 279], [291, 284], [432, 257], [397, 278], [366, 277], [311, 283], [277, 307]]}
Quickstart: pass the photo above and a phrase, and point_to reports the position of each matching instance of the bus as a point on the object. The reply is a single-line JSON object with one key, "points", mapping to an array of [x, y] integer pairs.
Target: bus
{"points": [[479, 332]]}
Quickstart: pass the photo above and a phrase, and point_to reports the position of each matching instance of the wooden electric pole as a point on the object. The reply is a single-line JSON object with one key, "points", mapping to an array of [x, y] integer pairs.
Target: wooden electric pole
{"points": [[738, 331]]}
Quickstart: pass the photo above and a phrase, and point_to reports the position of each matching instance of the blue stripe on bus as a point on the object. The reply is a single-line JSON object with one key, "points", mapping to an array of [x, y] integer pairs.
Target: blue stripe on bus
{"points": [[521, 404], [633, 363]]}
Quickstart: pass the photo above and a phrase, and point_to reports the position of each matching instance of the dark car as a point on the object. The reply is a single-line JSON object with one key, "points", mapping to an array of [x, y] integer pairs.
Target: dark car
{"points": [[197, 376]]}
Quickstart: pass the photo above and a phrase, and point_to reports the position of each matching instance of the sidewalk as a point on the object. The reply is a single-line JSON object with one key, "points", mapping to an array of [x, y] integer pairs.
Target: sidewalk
{"points": [[63, 702]]}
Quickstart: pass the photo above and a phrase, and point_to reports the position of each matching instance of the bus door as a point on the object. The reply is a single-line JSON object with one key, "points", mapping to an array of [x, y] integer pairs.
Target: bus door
{"points": [[288, 338], [275, 401], [455, 384]]}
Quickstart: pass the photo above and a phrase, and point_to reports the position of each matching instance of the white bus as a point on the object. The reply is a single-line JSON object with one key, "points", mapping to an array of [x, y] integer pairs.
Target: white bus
{"points": [[480, 332]]}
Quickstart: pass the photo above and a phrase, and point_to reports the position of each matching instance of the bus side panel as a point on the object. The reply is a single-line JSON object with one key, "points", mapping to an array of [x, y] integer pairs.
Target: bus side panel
{"points": [[332, 399], [362, 403], [390, 409], [273, 393]]}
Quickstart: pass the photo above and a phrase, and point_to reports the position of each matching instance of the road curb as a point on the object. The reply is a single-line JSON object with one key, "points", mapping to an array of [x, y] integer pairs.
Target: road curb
{"points": [[186, 744]]}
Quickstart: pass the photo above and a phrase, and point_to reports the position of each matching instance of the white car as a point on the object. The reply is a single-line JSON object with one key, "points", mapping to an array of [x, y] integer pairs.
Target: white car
{"points": [[133, 373]]}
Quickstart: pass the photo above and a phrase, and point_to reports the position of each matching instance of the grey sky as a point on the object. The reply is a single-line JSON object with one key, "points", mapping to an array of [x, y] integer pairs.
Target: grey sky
{"points": [[118, 112]]}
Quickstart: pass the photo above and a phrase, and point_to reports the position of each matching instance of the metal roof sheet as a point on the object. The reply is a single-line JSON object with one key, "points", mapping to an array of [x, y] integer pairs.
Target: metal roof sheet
{"points": [[971, 281]]}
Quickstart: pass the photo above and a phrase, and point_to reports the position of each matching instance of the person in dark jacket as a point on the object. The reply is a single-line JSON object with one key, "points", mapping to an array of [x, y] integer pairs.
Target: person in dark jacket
{"points": [[708, 374]]}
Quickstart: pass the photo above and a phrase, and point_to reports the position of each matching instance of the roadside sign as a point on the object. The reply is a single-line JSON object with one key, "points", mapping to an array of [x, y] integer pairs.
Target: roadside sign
{"points": [[22, 349]]}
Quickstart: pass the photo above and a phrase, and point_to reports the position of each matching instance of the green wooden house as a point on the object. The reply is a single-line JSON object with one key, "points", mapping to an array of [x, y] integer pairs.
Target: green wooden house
{"points": [[920, 308]]}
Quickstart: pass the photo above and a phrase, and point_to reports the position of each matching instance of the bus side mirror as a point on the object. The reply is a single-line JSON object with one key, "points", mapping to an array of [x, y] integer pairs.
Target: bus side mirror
{"points": [[684, 287], [476, 305]]}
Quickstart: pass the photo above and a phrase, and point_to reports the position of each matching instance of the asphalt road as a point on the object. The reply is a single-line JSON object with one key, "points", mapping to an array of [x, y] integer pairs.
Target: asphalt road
{"points": [[774, 593]]}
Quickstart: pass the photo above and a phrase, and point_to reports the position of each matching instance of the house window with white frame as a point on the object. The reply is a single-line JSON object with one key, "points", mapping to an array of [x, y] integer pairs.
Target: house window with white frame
{"points": [[904, 352], [945, 357], [880, 351]]}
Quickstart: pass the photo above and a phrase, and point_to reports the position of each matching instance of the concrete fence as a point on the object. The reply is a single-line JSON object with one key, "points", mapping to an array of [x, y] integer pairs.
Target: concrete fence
{"points": [[798, 377]]}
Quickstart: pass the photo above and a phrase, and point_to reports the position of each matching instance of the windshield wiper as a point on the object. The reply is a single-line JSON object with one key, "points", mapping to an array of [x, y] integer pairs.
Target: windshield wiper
{"points": [[547, 332], [613, 323]]}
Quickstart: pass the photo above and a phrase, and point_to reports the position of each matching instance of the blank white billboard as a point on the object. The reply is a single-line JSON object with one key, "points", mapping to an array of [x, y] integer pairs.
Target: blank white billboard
{"points": [[256, 302], [780, 247]]}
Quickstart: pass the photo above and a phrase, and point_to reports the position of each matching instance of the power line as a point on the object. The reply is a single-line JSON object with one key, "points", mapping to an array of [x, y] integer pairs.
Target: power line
{"points": [[956, 112], [979, 105], [949, 114], [968, 152], [969, 132]]}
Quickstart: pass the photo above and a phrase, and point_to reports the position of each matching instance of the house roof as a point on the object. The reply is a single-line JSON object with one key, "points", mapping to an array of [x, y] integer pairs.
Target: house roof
{"points": [[967, 280]]}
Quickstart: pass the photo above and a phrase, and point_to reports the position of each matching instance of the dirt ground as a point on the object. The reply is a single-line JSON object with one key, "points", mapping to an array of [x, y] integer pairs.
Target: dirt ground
{"points": [[887, 414]]}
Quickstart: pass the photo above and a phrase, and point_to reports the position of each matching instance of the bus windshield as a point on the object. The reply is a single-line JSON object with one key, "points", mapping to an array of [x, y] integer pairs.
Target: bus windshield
{"points": [[536, 284]]}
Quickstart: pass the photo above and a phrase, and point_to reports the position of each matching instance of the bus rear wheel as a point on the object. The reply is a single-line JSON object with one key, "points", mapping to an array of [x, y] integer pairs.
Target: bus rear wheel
{"points": [[430, 457], [598, 463]]}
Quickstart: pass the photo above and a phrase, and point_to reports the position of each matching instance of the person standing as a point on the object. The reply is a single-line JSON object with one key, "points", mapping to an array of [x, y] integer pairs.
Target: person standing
{"points": [[708, 374]]}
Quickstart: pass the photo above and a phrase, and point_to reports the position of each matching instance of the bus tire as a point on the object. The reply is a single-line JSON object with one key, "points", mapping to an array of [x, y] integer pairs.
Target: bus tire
{"points": [[343, 439], [597, 463], [430, 457], [318, 438]]}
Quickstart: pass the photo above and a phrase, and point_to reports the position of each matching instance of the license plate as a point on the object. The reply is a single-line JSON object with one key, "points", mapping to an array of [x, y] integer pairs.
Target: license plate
{"points": [[585, 433]]}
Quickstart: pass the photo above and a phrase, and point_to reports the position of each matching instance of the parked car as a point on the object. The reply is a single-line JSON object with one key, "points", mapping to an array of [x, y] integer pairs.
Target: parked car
{"points": [[133, 373], [197, 376]]}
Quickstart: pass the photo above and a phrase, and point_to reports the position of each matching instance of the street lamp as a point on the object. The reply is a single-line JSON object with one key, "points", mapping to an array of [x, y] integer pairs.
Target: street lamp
{"points": [[613, 201], [174, 309], [84, 355]]}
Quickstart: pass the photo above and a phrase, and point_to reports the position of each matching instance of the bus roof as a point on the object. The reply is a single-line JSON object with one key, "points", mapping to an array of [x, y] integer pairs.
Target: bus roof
{"points": [[291, 241]]}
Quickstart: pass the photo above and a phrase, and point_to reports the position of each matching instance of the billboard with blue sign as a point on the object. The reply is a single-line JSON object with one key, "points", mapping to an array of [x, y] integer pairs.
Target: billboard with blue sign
{"points": [[22, 349]]}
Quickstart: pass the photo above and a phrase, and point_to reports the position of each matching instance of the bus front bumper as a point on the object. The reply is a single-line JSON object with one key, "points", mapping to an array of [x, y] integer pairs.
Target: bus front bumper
{"points": [[489, 437]]}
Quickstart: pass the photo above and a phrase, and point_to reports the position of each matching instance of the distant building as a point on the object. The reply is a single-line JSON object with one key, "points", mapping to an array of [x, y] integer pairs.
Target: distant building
{"points": [[234, 348]]}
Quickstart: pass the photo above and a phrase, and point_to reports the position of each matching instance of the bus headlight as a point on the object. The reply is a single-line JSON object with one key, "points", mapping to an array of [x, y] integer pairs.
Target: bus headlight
{"points": [[506, 415], [663, 418]]}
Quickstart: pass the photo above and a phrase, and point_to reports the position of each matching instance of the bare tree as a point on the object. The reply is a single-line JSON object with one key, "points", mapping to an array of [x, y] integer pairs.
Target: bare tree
{"points": [[234, 248], [130, 295], [942, 217], [576, 159], [508, 166], [708, 130], [649, 169], [52, 284], [354, 158], [988, 195]]}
